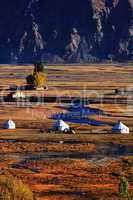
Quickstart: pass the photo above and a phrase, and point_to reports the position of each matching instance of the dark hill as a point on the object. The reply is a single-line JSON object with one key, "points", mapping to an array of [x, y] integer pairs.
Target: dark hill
{"points": [[56, 31]]}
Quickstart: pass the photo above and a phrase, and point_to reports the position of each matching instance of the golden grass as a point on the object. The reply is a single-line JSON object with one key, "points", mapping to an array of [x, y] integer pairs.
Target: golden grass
{"points": [[13, 189]]}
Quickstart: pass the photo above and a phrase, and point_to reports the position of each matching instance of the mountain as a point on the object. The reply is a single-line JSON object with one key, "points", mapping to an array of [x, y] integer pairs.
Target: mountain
{"points": [[64, 31]]}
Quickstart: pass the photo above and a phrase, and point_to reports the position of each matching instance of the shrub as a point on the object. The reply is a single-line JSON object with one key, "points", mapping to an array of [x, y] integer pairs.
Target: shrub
{"points": [[13, 189], [123, 187]]}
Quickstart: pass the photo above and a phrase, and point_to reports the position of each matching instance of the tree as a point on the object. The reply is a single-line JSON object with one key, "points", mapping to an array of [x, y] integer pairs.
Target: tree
{"points": [[123, 188], [38, 78]]}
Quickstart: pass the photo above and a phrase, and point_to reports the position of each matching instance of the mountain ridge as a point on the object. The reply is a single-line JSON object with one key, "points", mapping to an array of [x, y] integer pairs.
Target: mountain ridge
{"points": [[66, 31]]}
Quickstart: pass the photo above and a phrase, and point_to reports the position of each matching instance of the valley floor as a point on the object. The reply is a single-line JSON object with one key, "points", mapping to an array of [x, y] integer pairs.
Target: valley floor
{"points": [[84, 166]]}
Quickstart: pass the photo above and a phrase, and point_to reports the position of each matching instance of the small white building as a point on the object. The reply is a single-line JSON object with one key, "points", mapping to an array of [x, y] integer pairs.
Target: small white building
{"points": [[120, 128], [60, 125], [18, 95], [9, 125]]}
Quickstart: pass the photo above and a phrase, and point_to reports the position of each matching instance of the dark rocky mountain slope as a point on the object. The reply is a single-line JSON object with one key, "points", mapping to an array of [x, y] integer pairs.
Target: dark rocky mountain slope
{"points": [[58, 31]]}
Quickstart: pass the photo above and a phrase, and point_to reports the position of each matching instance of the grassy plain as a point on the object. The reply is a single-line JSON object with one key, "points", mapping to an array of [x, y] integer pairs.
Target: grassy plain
{"points": [[83, 166]]}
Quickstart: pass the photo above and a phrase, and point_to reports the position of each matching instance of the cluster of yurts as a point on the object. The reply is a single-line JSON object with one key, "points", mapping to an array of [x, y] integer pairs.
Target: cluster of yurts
{"points": [[63, 127], [37, 80]]}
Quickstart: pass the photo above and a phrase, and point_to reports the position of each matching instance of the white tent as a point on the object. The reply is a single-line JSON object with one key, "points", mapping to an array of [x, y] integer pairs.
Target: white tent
{"points": [[9, 125], [61, 125], [120, 128], [18, 94]]}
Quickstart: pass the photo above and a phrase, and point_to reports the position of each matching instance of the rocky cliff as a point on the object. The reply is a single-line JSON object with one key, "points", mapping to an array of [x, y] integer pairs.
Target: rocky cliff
{"points": [[66, 31]]}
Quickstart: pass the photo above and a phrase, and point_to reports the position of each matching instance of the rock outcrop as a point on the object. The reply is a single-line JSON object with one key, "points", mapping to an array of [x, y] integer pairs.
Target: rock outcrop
{"points": [[66, 31]]}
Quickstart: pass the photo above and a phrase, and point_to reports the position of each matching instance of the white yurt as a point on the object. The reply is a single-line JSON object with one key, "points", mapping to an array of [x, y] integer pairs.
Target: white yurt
{"points": [[120, 128], [61, 125], [18, 94], [9, 125]]}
